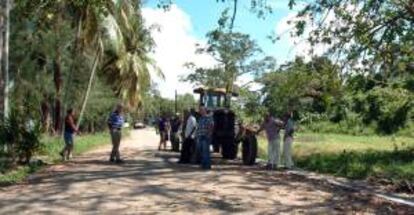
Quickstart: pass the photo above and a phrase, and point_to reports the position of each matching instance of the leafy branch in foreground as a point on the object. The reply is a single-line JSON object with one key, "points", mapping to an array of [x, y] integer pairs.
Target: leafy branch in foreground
{"points": [[367, 36]]}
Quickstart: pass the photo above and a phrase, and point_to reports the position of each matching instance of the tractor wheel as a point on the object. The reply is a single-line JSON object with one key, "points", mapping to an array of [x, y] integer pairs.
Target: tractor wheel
{"points": [[249, 151], [216, 146], [229, 149]]}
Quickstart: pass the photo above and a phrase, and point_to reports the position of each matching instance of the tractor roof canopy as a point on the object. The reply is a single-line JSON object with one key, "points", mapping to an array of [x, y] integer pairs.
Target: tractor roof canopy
{"points": [[214, 91], [213, 98]]}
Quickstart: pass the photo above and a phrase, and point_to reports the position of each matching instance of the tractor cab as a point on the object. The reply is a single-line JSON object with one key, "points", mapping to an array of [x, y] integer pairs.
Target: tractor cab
{"points": [[213, 98], [228, 131]]}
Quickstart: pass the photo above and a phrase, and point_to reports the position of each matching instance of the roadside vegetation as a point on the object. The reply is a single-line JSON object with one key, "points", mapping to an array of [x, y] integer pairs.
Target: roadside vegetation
{"points": [[387, 160], [356, 100], [49, 154]]}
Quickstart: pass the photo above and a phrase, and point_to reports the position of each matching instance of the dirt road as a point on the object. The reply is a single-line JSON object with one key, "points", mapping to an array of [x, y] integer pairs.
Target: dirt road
{"points": [[150, 182]]}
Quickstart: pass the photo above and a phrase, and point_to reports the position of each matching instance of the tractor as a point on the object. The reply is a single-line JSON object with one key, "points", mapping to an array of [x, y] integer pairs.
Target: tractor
{"points": [[229, 131]]}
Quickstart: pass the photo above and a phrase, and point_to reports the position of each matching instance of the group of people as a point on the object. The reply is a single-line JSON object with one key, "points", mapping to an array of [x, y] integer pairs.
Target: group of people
{"points": [[115, 124], [196, 131], [272, 127], [195, 135], [169, 130]]}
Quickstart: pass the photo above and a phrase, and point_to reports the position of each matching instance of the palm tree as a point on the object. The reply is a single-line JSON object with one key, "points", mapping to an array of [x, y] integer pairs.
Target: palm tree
{"points": [[123, 44], [127, 64]]}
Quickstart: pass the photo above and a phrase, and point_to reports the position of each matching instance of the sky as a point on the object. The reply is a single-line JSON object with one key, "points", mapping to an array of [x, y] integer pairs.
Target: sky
{"points": [[186, 23]]}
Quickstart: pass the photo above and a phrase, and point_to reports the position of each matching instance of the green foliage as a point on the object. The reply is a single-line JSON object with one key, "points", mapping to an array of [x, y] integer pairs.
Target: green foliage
{"points": [[248, 107], [20, 137], [102, 101], [389, 107], [17, 175], [54, 47], [327, 101], [50, 151], [306, 87], [351, 125], [236, 54], [209, 77], [365, 36], [127, 68], [383, 158], [396, 165], [154, 105], [83, 143]]}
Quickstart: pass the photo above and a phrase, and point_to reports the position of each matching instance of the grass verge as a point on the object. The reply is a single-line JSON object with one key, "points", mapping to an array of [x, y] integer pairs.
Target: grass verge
{"points": [[50, 154], [19, 174], [356, 157], [83, 143]]}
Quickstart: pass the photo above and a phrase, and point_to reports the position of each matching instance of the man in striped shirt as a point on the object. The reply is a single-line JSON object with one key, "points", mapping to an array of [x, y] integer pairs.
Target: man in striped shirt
{"points": [[115, 123]]}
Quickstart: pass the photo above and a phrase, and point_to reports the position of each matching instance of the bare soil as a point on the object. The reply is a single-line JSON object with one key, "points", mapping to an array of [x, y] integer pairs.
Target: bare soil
{"points": [[151, 182]]}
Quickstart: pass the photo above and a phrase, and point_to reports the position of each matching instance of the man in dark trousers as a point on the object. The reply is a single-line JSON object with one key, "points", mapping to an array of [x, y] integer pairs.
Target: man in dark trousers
{"points": [[189, 136], [163, 129], [115, 123], [204, 133], [174, 134], [70, 130]]}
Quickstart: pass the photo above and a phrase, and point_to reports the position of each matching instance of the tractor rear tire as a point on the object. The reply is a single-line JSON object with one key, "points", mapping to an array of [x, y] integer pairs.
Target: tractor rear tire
{"points": [[249, 150], [229, 149]]}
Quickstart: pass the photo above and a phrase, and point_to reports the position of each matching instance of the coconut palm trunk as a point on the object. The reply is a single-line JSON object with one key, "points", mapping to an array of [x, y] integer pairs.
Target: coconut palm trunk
{"points": [[91, 78]]}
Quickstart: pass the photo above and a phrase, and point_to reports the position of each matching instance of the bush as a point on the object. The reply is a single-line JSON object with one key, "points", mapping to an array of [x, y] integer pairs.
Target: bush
{"points": [[20, 139], [357, 165], [388, 107]]}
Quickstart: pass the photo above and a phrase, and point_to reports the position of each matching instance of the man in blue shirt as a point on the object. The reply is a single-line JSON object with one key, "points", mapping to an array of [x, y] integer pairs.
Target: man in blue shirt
{"points": [[204, 134], [115, 123]]}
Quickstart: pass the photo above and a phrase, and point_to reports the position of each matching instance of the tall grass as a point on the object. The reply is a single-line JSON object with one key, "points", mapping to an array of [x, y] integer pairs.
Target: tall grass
{"points": [[51, 146], [83, 143], [357, 157]]}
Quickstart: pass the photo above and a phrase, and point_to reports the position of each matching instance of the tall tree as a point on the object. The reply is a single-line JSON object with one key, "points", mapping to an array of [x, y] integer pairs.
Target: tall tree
{"points": [[369, 36], [5, 7], [127, 64], [236, 54]]}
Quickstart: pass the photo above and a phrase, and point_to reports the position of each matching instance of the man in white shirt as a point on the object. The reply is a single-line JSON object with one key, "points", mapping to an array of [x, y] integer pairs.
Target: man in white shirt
{"points": [[189, 136]]}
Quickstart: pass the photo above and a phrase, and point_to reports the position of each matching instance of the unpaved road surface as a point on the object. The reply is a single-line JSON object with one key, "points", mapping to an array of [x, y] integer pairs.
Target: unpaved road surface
{"points": [[150, 182]]}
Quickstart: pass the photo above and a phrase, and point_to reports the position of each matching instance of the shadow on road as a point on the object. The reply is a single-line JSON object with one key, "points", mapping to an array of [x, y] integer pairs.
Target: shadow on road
{"points": [[152, 181]]}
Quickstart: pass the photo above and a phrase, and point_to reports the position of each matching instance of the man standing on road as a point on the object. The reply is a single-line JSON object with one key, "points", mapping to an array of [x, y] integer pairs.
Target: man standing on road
{"points": [[288, 140], [272, 127], [174, 134], [162, 128], [189, 142], [204, 132], [70, 130], [115, 123]]}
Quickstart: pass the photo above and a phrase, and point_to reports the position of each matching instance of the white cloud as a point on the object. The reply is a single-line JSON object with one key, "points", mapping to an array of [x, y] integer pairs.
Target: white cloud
{"points": [[175, 46]]}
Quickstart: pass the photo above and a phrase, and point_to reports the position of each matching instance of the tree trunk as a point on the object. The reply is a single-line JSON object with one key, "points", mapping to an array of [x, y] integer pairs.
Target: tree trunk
{"points": [[92, 127], [5, 58], [2, 27], [57, 77], [91, 78], [44, 110]]}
